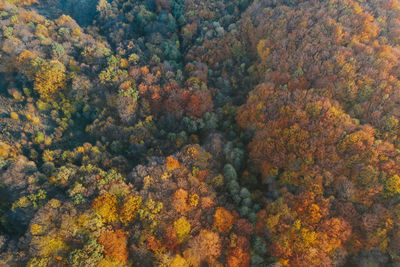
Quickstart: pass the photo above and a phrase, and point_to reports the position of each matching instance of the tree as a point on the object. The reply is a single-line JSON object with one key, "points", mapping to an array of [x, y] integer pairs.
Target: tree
{"points": [[129, 209], [106, 206], [115, 245], [223, 220], [180, 199], [206, 246], [302, 231], [182, 228], [49, 78]]}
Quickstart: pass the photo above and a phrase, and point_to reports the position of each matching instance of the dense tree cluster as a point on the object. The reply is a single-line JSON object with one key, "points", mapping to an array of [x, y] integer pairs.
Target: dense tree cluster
{"points": [[199, 133], [324, 129]]}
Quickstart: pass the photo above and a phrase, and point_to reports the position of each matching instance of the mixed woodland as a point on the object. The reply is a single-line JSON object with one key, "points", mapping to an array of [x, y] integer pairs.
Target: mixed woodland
{"points": [[188, 133]]}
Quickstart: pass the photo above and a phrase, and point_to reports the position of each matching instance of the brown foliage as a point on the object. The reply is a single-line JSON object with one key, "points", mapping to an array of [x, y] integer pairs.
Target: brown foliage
{"points": [[179, 201], [205, 247]]}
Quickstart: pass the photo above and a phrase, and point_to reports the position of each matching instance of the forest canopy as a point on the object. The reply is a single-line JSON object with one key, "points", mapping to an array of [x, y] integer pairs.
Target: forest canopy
{"points": [[188, 133]]}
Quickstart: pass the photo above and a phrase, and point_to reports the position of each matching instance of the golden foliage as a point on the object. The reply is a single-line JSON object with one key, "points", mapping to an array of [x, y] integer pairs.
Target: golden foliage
{"points": [[392, 185], [22, 2], [63, 20], [36, 229], [49, 79], [182, 228], [178, 261], [30, 16], [50, 245], [25, 57], [4, 150], [130, 208], [107, 207], [194, 200]]}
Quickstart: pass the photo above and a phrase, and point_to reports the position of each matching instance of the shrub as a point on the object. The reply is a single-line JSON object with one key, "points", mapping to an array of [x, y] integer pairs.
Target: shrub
{"points": [[39, 138], [14, 116]]}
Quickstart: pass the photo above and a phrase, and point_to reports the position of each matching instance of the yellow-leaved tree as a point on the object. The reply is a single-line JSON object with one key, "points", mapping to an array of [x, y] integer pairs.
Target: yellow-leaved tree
{"points": [[50, 78]]}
